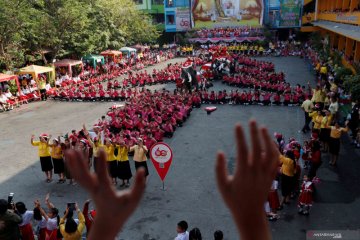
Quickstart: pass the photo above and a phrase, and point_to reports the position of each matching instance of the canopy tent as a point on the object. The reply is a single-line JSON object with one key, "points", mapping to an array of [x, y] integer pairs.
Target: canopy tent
{"points": [[128, 51], [93, 59], [112, 54], [35, 70], [69, 63], [140, 47], [6, 77]]}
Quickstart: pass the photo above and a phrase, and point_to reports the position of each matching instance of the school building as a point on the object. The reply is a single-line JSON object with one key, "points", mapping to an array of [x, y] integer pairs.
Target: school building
{"points": [[338, 21]]}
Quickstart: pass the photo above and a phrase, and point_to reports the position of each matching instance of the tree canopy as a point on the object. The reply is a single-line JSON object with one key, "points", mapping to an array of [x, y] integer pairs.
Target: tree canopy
{"points": [[33, 30]]}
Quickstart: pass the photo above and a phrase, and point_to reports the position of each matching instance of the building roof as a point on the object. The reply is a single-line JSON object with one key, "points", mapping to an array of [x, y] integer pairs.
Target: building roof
{"points": [[347, 30]]}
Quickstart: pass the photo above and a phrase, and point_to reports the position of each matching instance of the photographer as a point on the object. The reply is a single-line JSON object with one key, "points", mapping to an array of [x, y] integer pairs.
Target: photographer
{"points": [[70, 229], [9, 228]]}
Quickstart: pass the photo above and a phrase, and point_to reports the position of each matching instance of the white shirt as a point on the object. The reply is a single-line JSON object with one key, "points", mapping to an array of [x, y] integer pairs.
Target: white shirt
{"points": [[3, 98], [334, 107], [26, 218], [42, 223], [8, 95], [52, 224], [182, 236]]}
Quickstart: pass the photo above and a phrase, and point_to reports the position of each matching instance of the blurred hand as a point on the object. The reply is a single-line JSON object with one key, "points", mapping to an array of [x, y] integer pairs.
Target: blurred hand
{"points": [[47, 197], [245, 192], [113, 208]]}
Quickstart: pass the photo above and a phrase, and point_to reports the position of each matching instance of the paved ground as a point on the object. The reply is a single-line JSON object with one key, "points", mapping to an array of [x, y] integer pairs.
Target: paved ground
{"points": [[191, 190]]}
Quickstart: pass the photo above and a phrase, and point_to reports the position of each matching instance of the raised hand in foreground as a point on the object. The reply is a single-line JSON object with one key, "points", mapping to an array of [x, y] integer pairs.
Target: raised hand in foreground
{"points": [[245, 192], [113, 208]]}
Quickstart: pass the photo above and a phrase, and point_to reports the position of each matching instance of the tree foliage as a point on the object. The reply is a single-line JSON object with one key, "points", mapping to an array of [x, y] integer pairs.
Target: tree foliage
{"points": [[352, 85], [49, 29]]}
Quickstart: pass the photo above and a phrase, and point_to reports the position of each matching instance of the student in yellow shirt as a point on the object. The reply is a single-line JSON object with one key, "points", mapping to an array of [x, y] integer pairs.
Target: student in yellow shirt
{"points": [[109, 149], [96, 146], [288, 170], [70, 230], [261, 50], [317, 122], [325, 130], [57, 159], [334, 143], [140, 151], [313, 116], [44, 154], [122, 158]]}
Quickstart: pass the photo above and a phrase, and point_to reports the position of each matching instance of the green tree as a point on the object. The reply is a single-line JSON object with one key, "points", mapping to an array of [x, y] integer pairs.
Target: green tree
{"points": [[14, 16]]}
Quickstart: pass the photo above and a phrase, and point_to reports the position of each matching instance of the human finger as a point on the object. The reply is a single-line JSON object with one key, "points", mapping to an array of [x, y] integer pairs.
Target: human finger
{"points": [[79, 170], [255, 144], [222, 178], [137, 190], [102, 169], [242, 150]]}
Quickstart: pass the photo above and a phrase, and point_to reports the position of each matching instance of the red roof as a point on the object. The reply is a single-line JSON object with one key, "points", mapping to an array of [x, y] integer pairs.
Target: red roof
{"points": [[7, 77], [111, 52]]}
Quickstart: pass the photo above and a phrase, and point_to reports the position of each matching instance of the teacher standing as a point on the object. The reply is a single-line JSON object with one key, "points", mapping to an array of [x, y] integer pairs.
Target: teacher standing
{"points": [[140, 151]]}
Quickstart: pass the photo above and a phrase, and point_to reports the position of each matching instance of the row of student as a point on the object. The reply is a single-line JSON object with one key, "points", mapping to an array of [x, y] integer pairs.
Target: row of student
{"points": [[229, 32], [250, 97], [52, 154], [259, 74], [168, 74], [42, 224], [247, 81], [252, 62]]}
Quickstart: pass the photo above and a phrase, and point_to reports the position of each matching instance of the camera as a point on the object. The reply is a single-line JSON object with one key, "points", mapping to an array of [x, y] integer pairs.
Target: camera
{"points": [[71, 206], [11, 198]]}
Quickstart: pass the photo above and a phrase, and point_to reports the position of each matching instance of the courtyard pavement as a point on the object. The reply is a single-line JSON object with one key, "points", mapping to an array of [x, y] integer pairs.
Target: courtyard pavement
{"points": [[191, 193]]}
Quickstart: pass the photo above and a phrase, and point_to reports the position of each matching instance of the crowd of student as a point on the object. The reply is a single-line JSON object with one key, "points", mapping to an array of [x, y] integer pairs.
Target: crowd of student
{"points": [[32, 90], [329, 96], [47, 223], [243, 31], [146, 118]]}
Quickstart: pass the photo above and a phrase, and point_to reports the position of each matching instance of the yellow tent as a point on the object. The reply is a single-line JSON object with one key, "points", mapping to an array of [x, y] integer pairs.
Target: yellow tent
{"points": [[35, 70]]}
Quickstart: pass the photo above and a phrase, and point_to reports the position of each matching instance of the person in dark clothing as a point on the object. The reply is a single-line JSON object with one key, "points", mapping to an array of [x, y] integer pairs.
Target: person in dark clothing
{"points": [[9, 228]]}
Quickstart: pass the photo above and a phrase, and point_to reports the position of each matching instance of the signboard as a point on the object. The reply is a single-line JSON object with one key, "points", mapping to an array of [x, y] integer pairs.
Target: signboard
{"points": [[226, 13], [161, 156], [182, 19], [290, 13]]}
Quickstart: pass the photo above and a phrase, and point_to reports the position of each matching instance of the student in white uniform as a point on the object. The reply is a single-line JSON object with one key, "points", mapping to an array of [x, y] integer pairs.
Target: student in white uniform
{"points": [[181, 229], [52, 219], [40, 229], [25, 226]]}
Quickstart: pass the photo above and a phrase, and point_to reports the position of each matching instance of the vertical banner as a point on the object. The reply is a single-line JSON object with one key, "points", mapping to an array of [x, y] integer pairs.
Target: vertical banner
{"points": [[182, 19], [290, 11]]}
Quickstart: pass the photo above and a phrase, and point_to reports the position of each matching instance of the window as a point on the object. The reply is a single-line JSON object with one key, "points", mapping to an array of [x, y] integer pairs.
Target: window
{"points": [[170, 19], [169, 3]]}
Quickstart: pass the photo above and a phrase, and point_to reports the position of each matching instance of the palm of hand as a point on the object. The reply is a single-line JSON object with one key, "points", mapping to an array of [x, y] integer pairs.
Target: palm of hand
{"points": [[246, 191], [109, 203]]}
